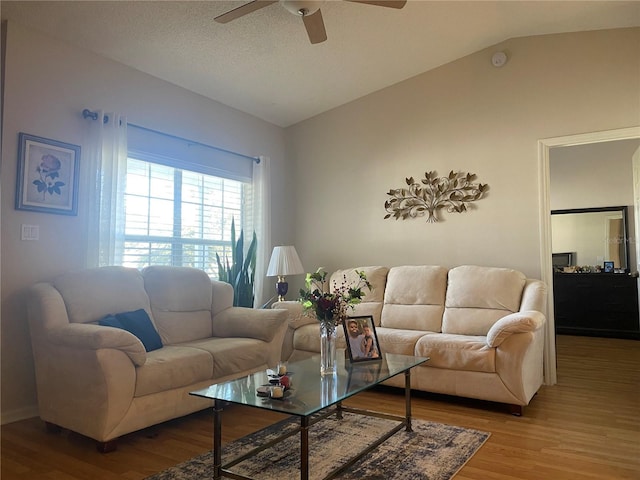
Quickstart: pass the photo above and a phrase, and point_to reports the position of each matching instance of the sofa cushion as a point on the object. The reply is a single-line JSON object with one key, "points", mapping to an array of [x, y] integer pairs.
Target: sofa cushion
{"points": [[397, 340], [173, 367], [180, 300], [376, 276], [477, 297], [91, 294], [414, 298], [233, 355], [372, 299], [137, 323], [457, 352]]}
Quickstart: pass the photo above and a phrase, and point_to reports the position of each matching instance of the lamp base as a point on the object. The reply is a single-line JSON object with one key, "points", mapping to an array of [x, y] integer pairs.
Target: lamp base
{"points": [[282, 287]]}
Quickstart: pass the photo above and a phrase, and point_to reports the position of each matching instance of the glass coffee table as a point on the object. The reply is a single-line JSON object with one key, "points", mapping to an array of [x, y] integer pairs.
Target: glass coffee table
{"points": [[310, 395]]}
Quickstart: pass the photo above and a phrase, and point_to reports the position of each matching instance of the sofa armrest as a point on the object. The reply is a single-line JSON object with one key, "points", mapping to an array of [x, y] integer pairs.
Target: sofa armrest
{"points": [[296, 317], [519, 322], [94, 337], [249, 323]]}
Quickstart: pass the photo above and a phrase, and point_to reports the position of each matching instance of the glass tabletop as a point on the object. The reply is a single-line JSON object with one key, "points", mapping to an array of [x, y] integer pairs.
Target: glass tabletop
{"points": [[309, 392]]}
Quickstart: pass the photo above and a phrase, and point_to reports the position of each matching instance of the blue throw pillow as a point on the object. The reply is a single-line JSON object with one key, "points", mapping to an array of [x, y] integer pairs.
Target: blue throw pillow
{"points": [[111, 321], [138, 323]]}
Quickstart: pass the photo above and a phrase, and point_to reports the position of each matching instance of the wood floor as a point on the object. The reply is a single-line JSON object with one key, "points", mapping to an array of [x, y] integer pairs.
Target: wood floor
{"points": [[585, 427]]}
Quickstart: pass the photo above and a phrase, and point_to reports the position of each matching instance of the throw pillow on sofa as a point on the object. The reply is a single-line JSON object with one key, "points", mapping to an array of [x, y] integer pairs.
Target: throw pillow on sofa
{"points": [[137, 323]]}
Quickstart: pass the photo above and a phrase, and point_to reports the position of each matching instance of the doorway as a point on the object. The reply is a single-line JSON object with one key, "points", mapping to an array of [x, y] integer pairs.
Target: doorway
{"points": [[544, 149]]}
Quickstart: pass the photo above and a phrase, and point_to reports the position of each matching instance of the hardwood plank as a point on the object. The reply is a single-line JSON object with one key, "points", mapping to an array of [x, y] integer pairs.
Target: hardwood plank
{"points": [[585, 427]]}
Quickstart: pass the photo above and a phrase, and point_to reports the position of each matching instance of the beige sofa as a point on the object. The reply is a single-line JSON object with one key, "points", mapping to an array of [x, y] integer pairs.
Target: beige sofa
{"points": [[100, 381], [481, 327]]}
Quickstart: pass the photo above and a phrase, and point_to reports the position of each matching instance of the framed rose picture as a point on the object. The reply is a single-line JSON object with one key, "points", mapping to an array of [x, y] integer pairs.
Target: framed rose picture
{"points": [[47, 179], [361, 339]]}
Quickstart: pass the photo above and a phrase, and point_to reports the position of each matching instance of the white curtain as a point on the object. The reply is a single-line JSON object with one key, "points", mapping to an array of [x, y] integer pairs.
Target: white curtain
{"points": [[262, 218], [108, 160]]}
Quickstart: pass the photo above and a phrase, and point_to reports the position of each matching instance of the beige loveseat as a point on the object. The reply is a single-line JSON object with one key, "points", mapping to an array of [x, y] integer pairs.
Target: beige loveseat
{"points": [[101, 382], [481, 327]]}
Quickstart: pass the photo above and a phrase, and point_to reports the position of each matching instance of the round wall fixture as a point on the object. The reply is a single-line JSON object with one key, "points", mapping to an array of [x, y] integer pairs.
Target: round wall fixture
{"points": [[499, 59]]}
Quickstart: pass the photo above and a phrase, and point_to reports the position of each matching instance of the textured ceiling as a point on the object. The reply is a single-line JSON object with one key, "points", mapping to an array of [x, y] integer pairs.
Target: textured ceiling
{"points": [[263, 63]]}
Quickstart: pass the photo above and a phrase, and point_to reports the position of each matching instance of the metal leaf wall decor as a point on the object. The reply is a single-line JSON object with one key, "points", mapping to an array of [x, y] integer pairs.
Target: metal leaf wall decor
{"points": [[433, 193]]}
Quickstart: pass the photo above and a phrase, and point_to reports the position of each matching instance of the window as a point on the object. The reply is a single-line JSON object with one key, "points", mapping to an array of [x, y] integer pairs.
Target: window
{"points": [[177, 216]]}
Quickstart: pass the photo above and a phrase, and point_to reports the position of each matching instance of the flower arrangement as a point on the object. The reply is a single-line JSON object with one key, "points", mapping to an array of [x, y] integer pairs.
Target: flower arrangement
{"points": [[334, 303]]}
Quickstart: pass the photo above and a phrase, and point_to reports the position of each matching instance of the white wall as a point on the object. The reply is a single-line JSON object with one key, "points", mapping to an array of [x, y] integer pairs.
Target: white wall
{"points": [[47, 85], [594, 175]]}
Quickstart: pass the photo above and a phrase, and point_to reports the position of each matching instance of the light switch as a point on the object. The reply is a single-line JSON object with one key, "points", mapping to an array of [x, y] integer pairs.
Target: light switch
{"points": [[30, 232]]}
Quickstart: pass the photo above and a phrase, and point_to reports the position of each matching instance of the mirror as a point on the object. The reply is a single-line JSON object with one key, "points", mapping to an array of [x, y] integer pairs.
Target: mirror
{"points": [[590, 237]]}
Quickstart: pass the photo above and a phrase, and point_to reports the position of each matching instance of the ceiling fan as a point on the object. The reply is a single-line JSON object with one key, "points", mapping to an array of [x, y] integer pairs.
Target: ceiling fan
{"points": [[309, 10]]}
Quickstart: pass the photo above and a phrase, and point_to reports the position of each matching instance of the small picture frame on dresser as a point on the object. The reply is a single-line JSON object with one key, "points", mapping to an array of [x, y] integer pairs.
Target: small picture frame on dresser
{"points": [[608, 267]]}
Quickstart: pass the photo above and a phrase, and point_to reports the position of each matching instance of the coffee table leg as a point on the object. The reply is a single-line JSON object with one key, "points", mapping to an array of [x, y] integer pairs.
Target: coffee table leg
{"points": [[217, 440], [407, 399], [304, 448]]}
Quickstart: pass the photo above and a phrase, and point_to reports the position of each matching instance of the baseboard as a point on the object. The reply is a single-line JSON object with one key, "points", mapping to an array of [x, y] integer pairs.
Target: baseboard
{"points": [[18, 414]]}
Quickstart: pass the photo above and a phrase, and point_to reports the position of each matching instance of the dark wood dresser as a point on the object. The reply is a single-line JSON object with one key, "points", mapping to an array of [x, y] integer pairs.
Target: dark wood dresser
{"points": [[596, 304]]}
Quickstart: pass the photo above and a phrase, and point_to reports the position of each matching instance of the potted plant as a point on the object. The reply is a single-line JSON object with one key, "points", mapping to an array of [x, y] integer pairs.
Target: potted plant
{"points": [[241, 272]]}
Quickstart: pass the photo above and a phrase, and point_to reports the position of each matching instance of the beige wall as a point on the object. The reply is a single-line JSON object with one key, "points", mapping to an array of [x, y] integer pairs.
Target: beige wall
{"points": [[47, 85], [469, 116]]}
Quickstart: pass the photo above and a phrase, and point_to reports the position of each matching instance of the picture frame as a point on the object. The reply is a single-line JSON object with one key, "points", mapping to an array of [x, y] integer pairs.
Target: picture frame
{"points": [[608, 267], [48, 175], [361, 339]]}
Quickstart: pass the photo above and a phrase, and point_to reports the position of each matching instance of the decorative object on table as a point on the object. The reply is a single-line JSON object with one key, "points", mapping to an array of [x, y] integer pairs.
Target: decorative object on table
{"points": [[241, 272], [330, 304], [277, 391], [433, 193], [284, 261], [277, 373], [608, 267], [432, 450], [362, 339], [48, 175]]}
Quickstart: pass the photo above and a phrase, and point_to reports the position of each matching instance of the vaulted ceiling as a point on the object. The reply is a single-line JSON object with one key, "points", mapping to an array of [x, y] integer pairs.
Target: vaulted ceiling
{"points": [[264, 64]]}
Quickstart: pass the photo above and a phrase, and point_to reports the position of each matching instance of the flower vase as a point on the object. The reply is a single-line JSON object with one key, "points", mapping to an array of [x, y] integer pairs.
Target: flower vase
{"points": [[327, 347]]}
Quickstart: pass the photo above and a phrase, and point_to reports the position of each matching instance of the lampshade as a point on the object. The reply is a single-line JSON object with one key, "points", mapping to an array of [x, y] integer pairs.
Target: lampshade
{"points": [[284, 261]]}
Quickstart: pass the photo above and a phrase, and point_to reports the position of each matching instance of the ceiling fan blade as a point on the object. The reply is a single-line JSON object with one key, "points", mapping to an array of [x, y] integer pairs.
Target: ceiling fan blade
{"points": [[382, 3], [243, 10], [315, 27]]}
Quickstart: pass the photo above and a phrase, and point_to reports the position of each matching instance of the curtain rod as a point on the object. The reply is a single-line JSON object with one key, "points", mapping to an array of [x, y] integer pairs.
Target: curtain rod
{"points": [[86, 113]]}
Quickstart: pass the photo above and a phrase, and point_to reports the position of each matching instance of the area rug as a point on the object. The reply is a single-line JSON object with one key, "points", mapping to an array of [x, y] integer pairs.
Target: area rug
{"points": [[433, 451]]}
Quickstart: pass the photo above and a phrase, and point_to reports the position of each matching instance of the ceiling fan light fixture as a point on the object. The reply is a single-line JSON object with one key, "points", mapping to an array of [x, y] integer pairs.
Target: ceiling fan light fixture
{"points": [[302, 7]]}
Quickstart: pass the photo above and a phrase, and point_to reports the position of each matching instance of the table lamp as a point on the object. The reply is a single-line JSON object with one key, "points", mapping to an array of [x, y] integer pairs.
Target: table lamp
{"points": [[284, 261]]}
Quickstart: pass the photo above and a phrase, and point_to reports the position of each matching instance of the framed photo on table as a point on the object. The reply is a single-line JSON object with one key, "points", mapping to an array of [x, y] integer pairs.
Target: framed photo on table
{"points": [[48, 174], [362, 339], [608, 267]]}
